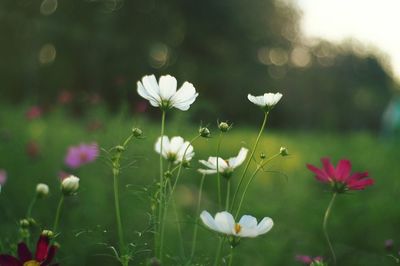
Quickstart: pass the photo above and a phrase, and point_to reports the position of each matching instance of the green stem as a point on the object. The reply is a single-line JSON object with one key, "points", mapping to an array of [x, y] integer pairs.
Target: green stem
{"points": [[326, 217], [218, 254], [58, 214], [196, 226], [29, 212], [228, 192], [218, 173], [250, 158], [259, 167], [118, 212], [159, 245], [178, 224], [231, 258]]}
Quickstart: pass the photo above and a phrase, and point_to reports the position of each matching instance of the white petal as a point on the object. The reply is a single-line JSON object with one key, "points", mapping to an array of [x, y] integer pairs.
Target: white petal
{"points": [[222, 165], [265, 225], [239, 159], [165, 145], [272, 99], [184, 97], [167, 86], [248, 221], [247, 232], [208, 164], [208, 220], [257, 100], [176, 144], [185, 152], [154, 100], [225, 222], [207, 171]]}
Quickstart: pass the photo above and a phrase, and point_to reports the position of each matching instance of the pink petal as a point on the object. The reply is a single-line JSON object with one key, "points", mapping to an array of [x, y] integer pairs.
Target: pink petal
{"points": [[23, 252], [329, 169], [42, 248], [320, 174], [343, 170], [360, 184], [357, 176], [7, 260]]}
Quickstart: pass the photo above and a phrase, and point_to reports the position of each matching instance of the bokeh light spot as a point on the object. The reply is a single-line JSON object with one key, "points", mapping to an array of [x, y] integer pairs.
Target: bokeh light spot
{"points": [[48, 7], [47, 54]]}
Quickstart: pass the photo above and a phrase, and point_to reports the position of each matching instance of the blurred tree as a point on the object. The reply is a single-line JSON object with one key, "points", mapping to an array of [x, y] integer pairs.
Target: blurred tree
{"points": [[227, 48]]}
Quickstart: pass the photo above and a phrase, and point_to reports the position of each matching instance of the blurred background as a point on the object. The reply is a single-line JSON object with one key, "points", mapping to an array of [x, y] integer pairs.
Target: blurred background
{"points": [[68, 73]]}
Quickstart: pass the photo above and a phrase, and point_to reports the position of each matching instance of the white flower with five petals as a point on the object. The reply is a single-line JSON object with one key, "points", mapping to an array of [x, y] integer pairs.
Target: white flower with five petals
{"points": [[164, 94], [224, 223], [266, 101], [225, 167], [175, 150]]}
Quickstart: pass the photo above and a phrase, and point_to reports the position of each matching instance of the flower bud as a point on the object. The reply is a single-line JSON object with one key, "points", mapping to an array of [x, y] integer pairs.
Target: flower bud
{"points": [[283, 151], [204, 132], [70, 185], [47, 233], [42, 190], [24, 223], [120, 148], [137, 132], [263, 156], [224, 127]]}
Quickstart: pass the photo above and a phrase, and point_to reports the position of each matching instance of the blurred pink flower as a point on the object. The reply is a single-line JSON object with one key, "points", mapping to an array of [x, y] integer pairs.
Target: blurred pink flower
{"points": [[33, 112], [3, 177], [340, 178], [307, 260], [62, 175], [65, 97], [141, 107], [32, 149], [81, 154]]}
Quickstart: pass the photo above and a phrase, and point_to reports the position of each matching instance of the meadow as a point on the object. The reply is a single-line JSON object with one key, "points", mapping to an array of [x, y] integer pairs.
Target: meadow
{"points": [[359, 225]]}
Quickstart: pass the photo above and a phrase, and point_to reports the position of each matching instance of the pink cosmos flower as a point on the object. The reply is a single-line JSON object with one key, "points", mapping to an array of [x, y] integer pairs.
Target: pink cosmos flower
{"points": [[33, 113], [307, 260], [3, 177], [81, 154], [340, 178]]}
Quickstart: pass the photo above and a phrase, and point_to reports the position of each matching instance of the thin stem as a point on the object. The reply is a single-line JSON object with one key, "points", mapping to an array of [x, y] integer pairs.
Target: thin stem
{"points": [[161, 203], [218, 173], [231, 258], [118, 213], [326, 217], [177, 223], [218, 254], [228, 192], [196, 226], [250, 158], [29, 212], [259, 167], [58, 214]]}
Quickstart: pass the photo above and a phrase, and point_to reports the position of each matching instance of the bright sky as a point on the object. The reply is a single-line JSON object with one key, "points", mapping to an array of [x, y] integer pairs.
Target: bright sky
{"points": [[373, 22]]}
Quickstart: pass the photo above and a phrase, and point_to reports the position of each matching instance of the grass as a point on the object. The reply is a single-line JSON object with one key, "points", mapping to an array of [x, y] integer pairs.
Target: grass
{"points": [[360, 222]]}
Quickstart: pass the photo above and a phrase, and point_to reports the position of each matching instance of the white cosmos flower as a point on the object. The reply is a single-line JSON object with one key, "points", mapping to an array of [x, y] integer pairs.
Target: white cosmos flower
{"points": [[174, 149], [224, 223], [225, 167], [164, 94], [268, 100]]}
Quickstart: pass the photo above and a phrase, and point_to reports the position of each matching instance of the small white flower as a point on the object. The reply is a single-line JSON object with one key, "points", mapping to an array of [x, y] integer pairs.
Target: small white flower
{"points": [[224, 223], [164, 94], [42, 190], [225, 167], [70, 185], [174, 149], [268, 100]]}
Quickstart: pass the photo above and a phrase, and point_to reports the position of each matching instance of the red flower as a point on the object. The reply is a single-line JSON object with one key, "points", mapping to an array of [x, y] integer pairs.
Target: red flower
{"points": [[340, 178], [43, 257], [33, 112]]}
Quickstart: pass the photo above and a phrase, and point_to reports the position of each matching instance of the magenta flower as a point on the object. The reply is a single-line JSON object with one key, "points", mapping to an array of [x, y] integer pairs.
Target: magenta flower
{"points": [[340, 178], [33, 112], [81, 155], [44, 255], [307, 260]]}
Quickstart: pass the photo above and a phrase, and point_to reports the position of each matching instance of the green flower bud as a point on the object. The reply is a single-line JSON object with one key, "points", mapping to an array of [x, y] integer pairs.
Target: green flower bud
{"points": [[224, 127], [204, 132], [263, 156], [137, 132], [42, 190], [283, 151], [120, 148], [47, 233], [24, 223]]}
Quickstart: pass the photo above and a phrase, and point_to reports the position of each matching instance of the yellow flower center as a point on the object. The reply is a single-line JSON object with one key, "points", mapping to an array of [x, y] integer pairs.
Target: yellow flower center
{"points": [[32, 263], [237, 228]]}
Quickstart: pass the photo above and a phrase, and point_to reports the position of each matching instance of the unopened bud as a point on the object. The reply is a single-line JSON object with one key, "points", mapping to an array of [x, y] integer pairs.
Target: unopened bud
{"points": [[283, 151], [263, 156], [47, 233], [24, 223], [224, 127], [70, 185], [42, 190], [204, 132], [137, 132], [120, 148]]}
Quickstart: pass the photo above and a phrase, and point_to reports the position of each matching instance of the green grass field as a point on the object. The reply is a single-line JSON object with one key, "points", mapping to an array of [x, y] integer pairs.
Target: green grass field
{"points": [[288, 193]]}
